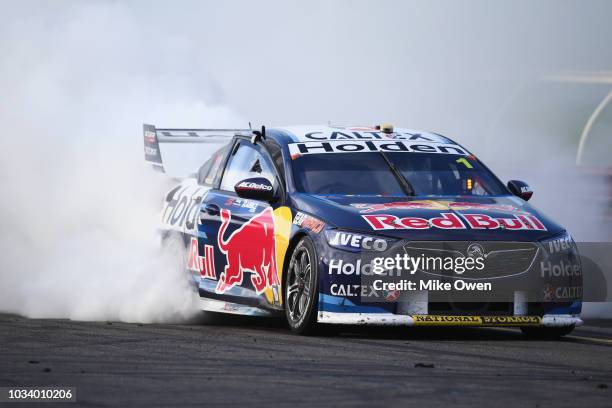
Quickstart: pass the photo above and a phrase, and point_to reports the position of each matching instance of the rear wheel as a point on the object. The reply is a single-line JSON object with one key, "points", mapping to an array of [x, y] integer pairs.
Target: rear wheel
{"points": [[301, 288], [547, 332]]}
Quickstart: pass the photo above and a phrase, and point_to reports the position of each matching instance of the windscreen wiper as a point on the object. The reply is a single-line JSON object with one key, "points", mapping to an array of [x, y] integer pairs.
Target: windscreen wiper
{"points": [[405, 184]]}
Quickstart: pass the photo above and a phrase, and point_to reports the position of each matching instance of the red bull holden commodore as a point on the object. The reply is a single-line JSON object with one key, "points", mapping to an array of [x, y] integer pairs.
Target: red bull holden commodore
{"points": [[295, 221]]}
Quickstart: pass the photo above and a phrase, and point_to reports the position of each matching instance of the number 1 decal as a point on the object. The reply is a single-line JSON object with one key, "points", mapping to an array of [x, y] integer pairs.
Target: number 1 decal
{"points": [[464, 161]]}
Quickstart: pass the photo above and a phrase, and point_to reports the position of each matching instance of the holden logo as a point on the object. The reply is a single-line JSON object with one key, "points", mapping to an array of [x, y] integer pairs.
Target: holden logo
{"points": [[475, 251]]}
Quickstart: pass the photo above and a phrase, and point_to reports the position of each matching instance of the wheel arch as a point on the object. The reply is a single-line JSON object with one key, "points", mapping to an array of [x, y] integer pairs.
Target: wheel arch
{"points": [[297, 237], [292, 244]]}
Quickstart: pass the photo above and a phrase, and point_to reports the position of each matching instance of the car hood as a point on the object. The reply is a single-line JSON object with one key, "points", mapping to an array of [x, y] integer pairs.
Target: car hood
{"points": [[505, 218]]}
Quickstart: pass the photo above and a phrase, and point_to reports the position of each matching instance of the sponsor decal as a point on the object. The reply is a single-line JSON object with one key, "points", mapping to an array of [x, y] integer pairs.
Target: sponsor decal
{"points": [[562, 244], [182, 208], [560, 269], [564, 293], [517, 222], [151, 148], [231, 307], [435, 205], [356, 241], [442, 320], [451, 221], [337, 289], [342, 267], [356, 146], [547, 292], [387, 221], [255, 186], [309, 222], [150, 151], [250, 248], [149, 136], [373, 134], [203, 264], [435, 320], [391, 295], [242, 203], [348, 290], [511, 320]]}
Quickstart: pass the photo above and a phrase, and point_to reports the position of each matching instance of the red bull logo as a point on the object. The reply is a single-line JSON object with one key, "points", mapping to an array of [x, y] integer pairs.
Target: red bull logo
{"points": [[251, 248], [203, 264], [453, 221]]}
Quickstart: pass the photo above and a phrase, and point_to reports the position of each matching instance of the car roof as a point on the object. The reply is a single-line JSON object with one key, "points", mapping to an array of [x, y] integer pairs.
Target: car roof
{"points": [[295, 134]]}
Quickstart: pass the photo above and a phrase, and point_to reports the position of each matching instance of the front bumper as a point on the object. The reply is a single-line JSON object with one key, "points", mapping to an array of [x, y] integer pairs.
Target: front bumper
{"points": [[388, 319]]}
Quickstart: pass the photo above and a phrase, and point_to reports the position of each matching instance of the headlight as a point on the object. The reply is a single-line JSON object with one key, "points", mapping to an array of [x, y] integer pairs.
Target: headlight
{"points": [[356, 242]]}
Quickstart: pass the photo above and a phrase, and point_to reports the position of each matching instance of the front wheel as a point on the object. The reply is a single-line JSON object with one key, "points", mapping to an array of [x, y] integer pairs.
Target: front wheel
{"points": [[301, 288], [547, 332]]}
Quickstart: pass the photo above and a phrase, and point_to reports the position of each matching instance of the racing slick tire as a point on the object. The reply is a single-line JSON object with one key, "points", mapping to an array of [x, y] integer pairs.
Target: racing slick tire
{"points": [[547, 332], [301, 288]]}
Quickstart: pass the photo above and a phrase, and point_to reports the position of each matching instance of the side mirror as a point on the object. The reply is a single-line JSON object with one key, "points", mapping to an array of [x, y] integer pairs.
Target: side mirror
{"points": [[256, 188], [520, 189]]}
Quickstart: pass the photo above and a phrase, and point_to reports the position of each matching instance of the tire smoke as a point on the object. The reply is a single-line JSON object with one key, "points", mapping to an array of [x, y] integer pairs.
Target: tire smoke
{"points": [[80, 207]]}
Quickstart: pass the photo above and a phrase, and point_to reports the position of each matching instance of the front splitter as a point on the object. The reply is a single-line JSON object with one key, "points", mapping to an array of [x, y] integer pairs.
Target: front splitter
{"points": [[389, 319]]}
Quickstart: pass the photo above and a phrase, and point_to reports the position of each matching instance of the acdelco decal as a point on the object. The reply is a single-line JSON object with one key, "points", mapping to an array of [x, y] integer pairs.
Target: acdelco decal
{"points": [[255, 186], [203, 264], [356, 146], [250, 248], [454, 221]]}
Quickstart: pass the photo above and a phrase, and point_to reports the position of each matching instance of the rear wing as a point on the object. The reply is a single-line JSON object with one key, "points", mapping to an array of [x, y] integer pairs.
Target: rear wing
{"points": [[179, 152]]}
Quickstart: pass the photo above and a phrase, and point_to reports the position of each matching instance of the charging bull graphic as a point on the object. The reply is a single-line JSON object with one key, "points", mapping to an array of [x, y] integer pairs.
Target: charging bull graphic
{"points": [[250, 248]]}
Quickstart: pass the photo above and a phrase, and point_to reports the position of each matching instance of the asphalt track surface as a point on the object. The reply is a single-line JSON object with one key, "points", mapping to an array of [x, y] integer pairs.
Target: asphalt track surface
{"points": [[257, 362]]}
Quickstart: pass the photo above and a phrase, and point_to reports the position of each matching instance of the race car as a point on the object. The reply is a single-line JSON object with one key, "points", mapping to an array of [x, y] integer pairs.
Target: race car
{"points": [[312, 223]]}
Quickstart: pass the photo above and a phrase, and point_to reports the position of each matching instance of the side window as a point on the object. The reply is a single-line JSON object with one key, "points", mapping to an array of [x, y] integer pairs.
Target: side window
{"points": [[246, 162], [208, 171]]}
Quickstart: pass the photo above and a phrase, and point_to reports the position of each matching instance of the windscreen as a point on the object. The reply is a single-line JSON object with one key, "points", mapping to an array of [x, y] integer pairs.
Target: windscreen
{"points": [[426, 174]]}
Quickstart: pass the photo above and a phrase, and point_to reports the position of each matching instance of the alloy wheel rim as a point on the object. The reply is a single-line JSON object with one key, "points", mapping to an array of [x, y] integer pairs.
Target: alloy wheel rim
{"points": [[299, 284]]}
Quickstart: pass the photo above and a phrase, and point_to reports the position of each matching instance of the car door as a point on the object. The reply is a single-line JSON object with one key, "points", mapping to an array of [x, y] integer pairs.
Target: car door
{"points": [[196, 238], [238, 234]]}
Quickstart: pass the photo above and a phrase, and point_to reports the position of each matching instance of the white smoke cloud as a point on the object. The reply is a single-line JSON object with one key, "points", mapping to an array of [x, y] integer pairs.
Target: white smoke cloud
{"points": [[79, 206]]}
